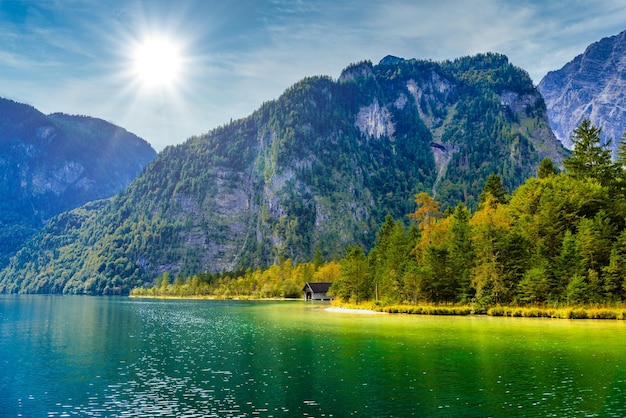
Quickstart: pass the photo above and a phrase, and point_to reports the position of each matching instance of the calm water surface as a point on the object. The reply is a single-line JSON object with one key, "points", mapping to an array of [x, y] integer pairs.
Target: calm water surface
{"points": [[88, 356]]}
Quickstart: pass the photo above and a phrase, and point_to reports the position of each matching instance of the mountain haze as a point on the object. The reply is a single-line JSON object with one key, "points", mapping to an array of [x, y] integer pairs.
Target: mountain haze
{"points": [[592, 86], [52, 163], [317, 168]]}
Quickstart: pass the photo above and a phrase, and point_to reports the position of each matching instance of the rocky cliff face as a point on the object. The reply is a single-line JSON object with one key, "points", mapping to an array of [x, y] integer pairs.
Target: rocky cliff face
{"points": [[53, 163], [318, 168], [592, 86]]}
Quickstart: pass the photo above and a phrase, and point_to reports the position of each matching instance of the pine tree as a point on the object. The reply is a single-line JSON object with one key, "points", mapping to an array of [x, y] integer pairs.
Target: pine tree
{"points": [[461, 255], [620, 163], [590, 158], [354, 282], [494, 188], [546, 169]]}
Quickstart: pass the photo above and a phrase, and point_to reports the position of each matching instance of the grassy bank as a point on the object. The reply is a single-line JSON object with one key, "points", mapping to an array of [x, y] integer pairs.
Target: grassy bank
{"points": [[566, 312]]}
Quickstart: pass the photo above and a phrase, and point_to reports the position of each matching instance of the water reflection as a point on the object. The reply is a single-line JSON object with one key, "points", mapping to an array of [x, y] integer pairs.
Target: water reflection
{"points": [[73, 356]]}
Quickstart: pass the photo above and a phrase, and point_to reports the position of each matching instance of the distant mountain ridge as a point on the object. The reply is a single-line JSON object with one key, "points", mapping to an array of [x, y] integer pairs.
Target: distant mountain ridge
{"points": [[316, 169], [592, 86], [53, 163]]}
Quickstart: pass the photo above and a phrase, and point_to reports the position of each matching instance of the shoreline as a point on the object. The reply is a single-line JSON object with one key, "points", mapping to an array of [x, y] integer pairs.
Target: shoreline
{"points": [[354, 311], [192, 297], [564, 312]]}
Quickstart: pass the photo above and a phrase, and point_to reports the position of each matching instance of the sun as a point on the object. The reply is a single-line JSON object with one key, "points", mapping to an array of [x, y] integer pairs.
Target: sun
{"points": [[157, 61]]}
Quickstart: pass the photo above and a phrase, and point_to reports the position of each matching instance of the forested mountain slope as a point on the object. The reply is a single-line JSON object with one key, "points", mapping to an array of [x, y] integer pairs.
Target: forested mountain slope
{"points": [[317, 168], [590, 86], [52, 163]]}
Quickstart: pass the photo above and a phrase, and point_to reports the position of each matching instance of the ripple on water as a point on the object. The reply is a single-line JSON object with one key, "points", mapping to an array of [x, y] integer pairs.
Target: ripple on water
{"points": [[192, 359]]}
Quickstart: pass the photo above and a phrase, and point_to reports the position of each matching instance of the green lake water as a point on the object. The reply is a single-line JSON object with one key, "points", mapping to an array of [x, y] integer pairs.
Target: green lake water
{"points": [[90, 356]]}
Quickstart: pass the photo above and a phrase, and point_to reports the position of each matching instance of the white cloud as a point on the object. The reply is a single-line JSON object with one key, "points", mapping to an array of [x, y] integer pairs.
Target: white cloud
{"points": [[71, 55]]}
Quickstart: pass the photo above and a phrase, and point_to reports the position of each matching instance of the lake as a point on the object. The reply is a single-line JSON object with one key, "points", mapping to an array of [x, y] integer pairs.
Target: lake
{"points": [[97, 356]]}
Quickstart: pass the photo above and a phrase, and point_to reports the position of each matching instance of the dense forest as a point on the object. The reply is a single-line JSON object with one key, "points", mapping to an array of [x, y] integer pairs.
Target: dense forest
{"points": [[559, 238], [316, 169]]}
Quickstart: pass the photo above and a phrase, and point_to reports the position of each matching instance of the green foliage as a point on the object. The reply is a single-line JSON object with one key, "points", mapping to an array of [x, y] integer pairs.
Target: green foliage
{"points": [[546, 168], [559, 239], [285, 280], [590, 158], [355, 281], [54, 163], [300, 176], [495, 190]]}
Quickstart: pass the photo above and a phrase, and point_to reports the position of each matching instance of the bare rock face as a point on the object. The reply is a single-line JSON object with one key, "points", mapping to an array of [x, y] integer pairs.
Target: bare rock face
{"points": [[593, 86], [53, 163], [374, 121], [318, 168]]}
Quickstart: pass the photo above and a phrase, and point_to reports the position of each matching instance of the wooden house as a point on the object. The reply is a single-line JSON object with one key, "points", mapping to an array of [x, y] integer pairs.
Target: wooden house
{"points": [[316, 291]]}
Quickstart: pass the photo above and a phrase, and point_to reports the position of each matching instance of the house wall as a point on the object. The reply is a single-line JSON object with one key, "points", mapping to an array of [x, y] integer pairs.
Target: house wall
{"points": [[320, 296]]}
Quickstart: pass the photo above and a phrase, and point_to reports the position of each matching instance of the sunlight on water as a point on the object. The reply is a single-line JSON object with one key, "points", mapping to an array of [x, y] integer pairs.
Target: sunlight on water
{"points": [[76, 356]]}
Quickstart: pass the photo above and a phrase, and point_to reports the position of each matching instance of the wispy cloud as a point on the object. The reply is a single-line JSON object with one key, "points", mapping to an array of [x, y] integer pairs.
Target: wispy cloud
{"points": [[70, 56]]}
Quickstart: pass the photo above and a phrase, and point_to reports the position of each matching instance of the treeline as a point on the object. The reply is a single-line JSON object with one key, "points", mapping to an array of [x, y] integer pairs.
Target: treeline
{"points": [[297, 175], [559, 238], [284, 280]]}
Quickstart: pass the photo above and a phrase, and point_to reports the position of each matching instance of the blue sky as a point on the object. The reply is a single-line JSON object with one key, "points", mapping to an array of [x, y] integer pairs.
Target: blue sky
{"points": [[75, 56]]}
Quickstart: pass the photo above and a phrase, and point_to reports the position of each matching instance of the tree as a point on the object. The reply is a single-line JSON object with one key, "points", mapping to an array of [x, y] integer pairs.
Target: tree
{"points": [[426, 215], [620, 162], [546, 169], [594, 241], [576, 291], [615, 272], [327, 272], [494, 188], [621, 152], [490, 226], [461, 253], [569, 262], [590, 158], [427, 211], [515, 258], [318, 258], [388, 259], [353, 283], [438, 280]]}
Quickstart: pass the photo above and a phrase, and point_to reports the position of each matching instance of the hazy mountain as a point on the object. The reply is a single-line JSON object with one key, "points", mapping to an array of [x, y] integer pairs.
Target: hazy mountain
{"points": [[593, 86], [52, 163], [317, 168]]}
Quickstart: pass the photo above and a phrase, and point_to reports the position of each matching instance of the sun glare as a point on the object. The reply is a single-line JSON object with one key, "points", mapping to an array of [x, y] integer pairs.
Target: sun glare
{"points": [[157, 62]]}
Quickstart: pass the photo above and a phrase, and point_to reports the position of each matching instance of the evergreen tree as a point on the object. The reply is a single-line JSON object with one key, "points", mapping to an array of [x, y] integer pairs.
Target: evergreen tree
{"points": [[438, 281], [546, 169], [318, 259], [490, 226], [461, 254], [615, 271], [569, 262], [576, 291], [354, 280], [590, 158], [620, 163], [494, 188], [514, 256], [378, 254]]}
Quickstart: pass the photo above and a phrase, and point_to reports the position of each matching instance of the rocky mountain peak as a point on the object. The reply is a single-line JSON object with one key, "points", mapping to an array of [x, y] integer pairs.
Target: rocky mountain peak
{"points": [[593, 86], [362, 69], [391, 60], [53, 163]]}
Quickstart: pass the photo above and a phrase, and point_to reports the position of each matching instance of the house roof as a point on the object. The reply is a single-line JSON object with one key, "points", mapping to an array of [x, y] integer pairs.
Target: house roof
{"points": [[317, 287]]}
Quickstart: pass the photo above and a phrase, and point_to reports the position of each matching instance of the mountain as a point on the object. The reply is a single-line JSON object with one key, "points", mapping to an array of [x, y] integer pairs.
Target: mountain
{"points": [[592, 86], [52, 163], [316, 169]]}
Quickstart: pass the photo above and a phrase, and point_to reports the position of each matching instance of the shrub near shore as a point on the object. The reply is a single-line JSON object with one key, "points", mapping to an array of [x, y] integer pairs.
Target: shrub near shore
{"points": [[569, 312]]}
